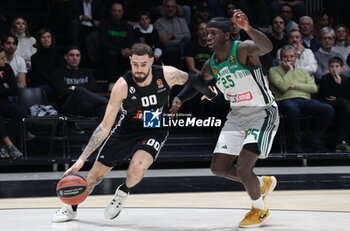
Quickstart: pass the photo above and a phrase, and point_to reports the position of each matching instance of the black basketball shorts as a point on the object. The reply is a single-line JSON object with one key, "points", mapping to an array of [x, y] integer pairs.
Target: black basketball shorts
{"points": [[121, 144]]}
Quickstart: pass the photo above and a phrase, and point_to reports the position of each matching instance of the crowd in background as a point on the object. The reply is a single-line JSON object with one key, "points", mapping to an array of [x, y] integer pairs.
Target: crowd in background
{"points": [[308, 68]]}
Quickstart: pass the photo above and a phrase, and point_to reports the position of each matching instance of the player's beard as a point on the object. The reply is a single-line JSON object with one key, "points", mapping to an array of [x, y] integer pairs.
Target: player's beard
{"points": [[141, 79]]}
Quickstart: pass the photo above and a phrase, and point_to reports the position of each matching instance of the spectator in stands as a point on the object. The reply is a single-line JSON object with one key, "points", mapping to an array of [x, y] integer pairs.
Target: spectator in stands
{"points": [[230, 7], [25, 49], [342, 40], [325, 53], [299, 8], [278, 39], [292, 88], [201, 14], [9, 109], [257, 13], [85, 17], [306, 29], [116, 39], [331, 92], [322, 19], [305, 59], [144, 32], [287, 14], [9, 44], [44, 61], [78, 87], [197, 51], [173, 33]]}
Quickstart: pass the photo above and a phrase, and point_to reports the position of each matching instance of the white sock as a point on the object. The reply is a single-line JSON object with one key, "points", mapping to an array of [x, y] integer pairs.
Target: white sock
{"points": [[261, 181], [259, 203]]}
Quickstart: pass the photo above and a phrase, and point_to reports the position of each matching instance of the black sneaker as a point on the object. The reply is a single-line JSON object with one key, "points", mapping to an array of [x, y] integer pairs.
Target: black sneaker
{"points": [[3, 153], [14, 152]]}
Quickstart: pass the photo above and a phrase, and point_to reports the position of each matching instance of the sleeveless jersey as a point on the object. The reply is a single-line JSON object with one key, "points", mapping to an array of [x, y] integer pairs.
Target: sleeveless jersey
{"points": [[243, 86], [155, 96]]}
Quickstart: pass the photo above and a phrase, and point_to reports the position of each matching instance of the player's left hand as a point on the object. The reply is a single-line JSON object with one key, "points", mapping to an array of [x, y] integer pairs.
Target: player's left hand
{"points": [[241, 19], [213, 89], [175, 106]]}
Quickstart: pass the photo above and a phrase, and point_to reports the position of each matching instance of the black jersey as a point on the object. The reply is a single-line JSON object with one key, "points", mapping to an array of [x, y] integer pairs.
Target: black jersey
{"points": [[155, 96]]}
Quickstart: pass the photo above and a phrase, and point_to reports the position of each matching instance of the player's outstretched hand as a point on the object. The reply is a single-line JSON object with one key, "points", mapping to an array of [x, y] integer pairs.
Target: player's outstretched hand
{"points": [[75, 167], [175, 106], [213, 89]]}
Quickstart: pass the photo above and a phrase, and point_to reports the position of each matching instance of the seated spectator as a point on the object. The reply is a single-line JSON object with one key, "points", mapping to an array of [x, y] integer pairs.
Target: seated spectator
{"points": [[201, 14], [8, 109], [197, 51], [306, 29], [116, 39], [85, 16], [299, 8], [9, 44], [25, 49], [342, 41], [278, 39], [322, 19], [173, 32], [331, 92], [287, 14], [325, 53], [144, 32], [292, 88], [305, 59], [44, 61], [77, 87], [230, 7]]}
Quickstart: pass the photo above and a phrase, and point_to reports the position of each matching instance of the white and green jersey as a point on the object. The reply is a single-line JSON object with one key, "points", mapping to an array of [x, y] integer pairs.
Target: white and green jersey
{"points": [[244, 86]]}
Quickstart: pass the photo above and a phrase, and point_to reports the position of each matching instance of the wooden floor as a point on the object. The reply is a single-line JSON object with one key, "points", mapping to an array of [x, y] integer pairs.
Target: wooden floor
{"points": [[290, 210]]}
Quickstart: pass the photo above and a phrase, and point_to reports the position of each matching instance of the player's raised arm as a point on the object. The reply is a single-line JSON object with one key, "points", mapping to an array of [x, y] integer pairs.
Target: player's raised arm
{"points": [[260, 44], [118, 94]]}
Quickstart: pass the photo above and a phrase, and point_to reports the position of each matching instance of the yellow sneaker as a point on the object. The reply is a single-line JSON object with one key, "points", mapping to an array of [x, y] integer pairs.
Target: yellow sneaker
{"points": [[255, 218], [269, 185]]}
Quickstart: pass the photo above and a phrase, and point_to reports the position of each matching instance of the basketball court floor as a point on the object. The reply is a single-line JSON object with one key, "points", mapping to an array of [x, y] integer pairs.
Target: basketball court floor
{"points": [[306, 198]]}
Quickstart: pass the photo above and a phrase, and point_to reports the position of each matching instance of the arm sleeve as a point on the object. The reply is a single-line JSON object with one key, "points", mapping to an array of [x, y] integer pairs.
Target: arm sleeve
{"points": [[194, 84]]}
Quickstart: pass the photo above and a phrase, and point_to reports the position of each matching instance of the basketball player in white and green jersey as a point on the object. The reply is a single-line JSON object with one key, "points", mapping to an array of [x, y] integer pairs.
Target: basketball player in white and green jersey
{"points": [[253, 119]]}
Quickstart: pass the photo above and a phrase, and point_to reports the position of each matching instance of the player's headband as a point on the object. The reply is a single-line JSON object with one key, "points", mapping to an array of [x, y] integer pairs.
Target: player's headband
{"points": [[220, 25]]}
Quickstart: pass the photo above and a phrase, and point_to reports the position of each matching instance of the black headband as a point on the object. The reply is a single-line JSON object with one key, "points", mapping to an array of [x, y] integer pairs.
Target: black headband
{"points": [[220, 25]]}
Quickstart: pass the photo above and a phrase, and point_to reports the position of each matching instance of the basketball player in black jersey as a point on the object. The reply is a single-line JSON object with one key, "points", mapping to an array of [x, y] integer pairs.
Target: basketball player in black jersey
{"points": [[144, 89]]}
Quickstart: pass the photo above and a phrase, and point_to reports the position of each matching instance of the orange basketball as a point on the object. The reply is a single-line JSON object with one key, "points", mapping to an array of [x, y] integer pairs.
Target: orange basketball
{"points": [[72, 189]]}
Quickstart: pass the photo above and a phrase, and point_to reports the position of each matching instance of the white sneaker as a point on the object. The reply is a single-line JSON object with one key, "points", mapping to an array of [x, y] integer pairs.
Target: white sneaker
{"points": [[113, 209], [66, 213]]}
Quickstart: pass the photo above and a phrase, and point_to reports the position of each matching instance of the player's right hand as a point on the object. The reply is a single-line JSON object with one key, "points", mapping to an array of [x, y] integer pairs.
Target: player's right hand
{"points": [[175, 106], [75, 167]]}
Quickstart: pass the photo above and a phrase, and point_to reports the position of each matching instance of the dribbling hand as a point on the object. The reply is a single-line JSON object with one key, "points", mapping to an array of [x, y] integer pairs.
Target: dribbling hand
{"points": [[75, 167], [175, 106]]}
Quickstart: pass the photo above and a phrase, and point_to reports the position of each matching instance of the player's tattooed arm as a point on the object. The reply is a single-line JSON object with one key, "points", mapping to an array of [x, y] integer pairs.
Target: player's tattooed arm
{"points": [[174, 76], [95, 141]]}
